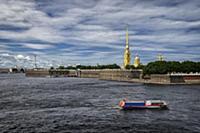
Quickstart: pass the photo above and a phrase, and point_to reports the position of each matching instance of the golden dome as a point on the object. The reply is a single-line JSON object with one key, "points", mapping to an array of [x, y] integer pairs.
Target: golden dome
{"points": [[136, 61]]}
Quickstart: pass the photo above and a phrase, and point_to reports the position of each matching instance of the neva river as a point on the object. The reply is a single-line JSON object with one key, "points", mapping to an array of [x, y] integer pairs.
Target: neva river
{"points": [[90, 105]]}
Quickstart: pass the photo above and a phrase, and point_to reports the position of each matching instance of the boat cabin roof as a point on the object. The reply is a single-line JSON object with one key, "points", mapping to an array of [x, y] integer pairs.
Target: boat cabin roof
{"points": [[151, 101]]}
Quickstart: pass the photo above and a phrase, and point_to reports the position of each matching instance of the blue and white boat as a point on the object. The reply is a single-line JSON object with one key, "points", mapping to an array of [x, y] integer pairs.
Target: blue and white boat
{"points": [[146, 104]]}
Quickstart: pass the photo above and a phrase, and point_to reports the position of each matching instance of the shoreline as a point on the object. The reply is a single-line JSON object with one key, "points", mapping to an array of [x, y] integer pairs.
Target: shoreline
{"points": [[132, 76], [141, 81]]}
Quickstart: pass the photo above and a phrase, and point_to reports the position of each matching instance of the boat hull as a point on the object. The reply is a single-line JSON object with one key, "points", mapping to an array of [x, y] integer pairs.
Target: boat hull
{"points": [[144, 107], [154, 104]]}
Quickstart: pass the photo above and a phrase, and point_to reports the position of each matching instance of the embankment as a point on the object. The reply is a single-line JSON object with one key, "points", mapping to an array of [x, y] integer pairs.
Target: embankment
{"points": [[174, 79], [37, 73], [4, 70], [119, 75]]}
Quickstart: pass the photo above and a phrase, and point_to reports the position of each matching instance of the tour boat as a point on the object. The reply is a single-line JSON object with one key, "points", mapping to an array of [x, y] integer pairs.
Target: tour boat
{"points": [[146, 104]]}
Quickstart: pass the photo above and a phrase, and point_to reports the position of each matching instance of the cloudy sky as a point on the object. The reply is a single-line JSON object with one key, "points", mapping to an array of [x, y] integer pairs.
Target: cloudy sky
{"points": [[62, 32]]}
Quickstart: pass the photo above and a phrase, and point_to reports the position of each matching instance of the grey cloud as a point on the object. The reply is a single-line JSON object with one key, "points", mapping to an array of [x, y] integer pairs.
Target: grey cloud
{"points": [[101, 23]]}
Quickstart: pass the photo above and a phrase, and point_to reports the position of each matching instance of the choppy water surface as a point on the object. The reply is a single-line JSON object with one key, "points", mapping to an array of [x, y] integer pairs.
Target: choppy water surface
{"points": [[90, 105]]}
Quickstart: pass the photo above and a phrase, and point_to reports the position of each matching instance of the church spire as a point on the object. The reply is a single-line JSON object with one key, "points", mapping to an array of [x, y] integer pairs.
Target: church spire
{"points": [[127, 54], [127, 44]]}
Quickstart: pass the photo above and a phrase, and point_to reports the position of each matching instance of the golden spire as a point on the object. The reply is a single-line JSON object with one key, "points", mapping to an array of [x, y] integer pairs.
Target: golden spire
{"points": [[127, 54], [127, 45]]}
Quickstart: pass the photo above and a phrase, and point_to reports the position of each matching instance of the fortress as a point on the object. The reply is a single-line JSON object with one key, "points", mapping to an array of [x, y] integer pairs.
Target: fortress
{"points": [[134, 75]]}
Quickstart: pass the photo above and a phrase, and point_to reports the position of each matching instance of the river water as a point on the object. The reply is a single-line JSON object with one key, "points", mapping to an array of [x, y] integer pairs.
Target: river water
{"points": [[91, 105]]}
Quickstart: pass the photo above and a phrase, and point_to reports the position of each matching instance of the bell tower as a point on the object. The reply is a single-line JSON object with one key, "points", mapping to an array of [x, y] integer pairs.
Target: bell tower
{"points": [[127, 54]]}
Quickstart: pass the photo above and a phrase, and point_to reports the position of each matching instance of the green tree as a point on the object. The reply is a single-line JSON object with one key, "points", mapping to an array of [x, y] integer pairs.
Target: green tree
{"points": [[173, 66], [164, 67], [61, 67], [189, 66], [157, 67]]}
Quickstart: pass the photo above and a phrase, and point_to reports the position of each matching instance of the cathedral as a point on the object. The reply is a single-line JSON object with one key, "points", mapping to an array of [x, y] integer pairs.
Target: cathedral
{"points": [[127, 54]]}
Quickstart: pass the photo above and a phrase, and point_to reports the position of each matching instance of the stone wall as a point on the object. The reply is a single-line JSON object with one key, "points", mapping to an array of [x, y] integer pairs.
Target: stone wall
{"points": [[63, 73], [4, 70], [120, 75], [88, 73], [187, 78], [159, 78], [37, 73], [174, 79], [106, 74]]}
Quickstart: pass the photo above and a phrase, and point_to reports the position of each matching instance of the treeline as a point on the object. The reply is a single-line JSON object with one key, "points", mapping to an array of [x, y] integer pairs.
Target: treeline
{"points": [[157, 67], [110, 66], [164, 67]]}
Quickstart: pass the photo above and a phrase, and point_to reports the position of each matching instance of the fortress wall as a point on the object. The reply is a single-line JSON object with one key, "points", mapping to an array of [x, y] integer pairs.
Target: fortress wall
{"points": [[51, 73], [88, 73], [38, 73], [188, 79], [174, 79], [177, 79], [4, 70], [63, 73], [160, 78], [120, 75], [106, 74], [72, 73]]}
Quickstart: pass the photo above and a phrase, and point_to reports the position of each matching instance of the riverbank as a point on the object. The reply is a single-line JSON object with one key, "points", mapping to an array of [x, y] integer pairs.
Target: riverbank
{"points": [[119, 75]]}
